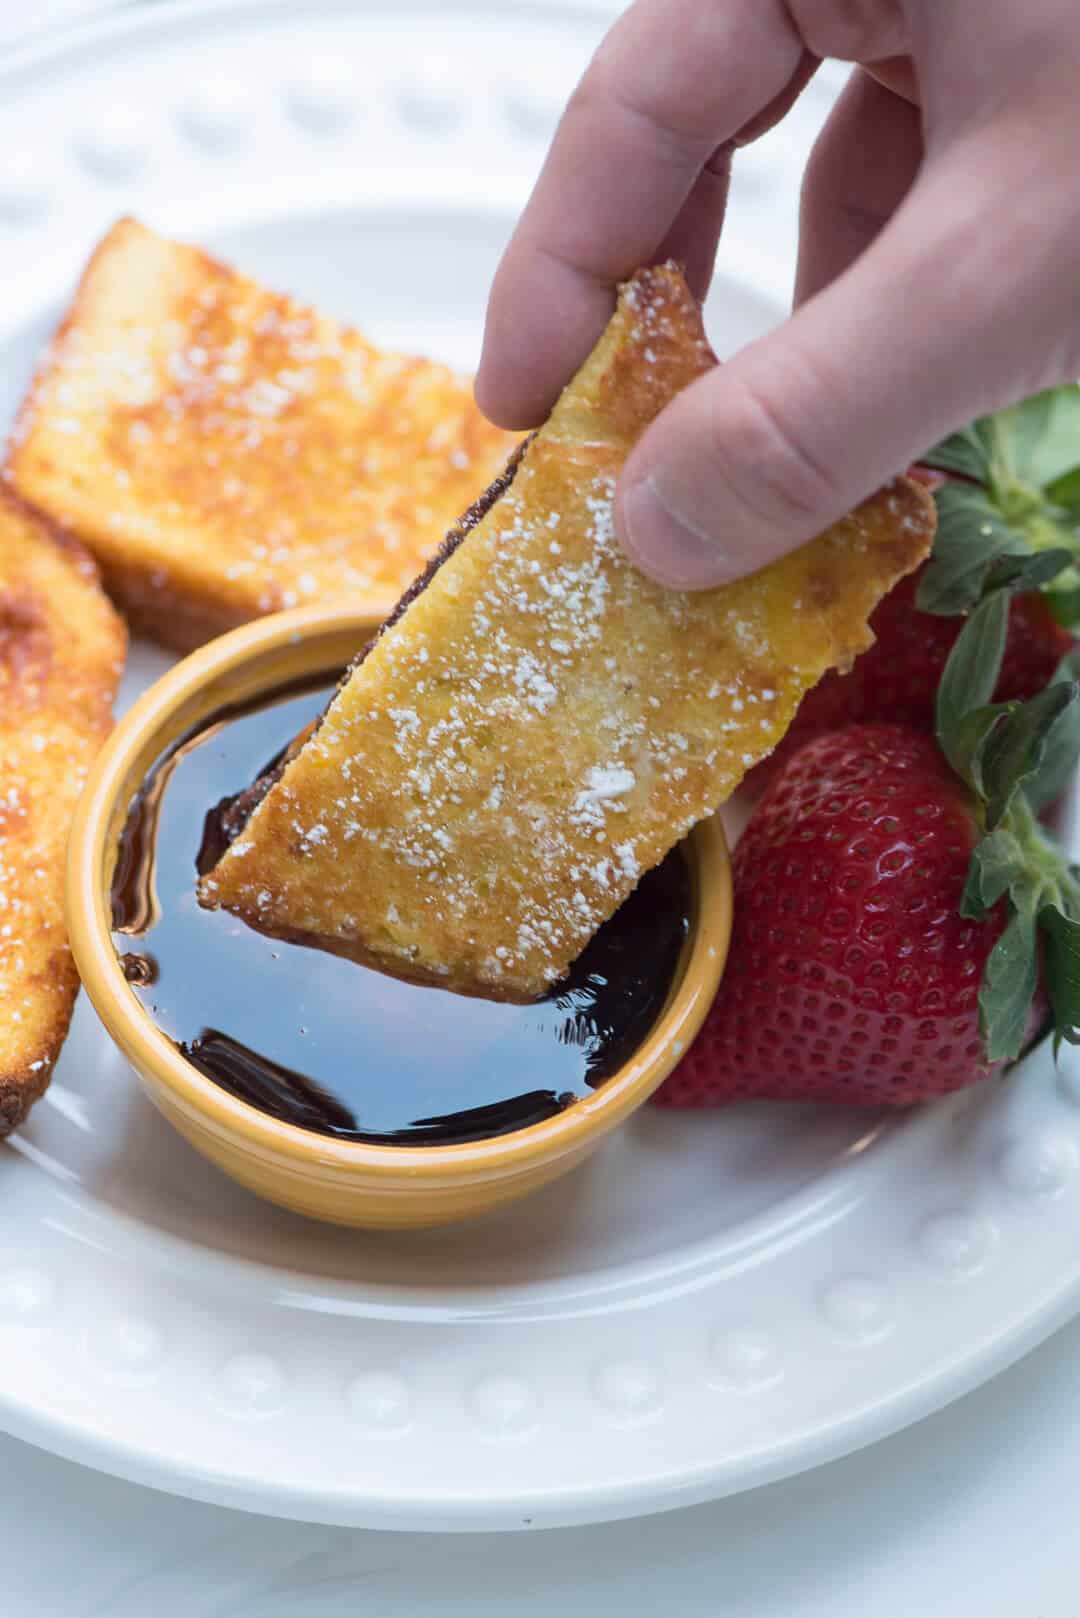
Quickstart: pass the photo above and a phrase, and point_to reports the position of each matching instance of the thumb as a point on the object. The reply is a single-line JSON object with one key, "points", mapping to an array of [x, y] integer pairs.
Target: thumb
{"points": [[937, 322]]}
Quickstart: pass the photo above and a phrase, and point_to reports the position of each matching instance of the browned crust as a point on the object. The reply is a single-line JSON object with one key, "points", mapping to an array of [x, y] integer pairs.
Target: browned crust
{"points": [[64, 326], [245, 804], [49, 654], [62, 538], [240, 809], [180, 621], [21, 1088], [180, 613], [463, 934], [464, 525], [361, 956]]}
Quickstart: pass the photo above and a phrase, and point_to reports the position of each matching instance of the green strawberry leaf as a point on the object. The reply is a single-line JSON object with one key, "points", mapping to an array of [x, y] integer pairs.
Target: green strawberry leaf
{"points": [[970, 675], [971, 536], [1061, 970], [996, 863], [1012, 753], [1001, 509], [1059, 446], [1018, 433], [1065, 606], [1013, 526], [1023, 574], [968, 739], [1068, 669], [966, 452], [1009, 982], [1062, 751], [1035, 441], [1064, 492]]}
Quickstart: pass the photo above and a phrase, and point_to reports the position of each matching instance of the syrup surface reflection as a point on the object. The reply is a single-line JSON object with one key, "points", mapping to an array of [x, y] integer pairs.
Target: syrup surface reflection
{"points": [[338, 1048]]}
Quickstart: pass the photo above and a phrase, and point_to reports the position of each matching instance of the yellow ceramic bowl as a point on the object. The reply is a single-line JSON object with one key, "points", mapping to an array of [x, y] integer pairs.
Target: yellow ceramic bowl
{"points": [[347, 1182]]}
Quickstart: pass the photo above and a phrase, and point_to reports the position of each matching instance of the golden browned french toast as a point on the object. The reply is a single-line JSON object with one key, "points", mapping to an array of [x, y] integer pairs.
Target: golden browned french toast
{"points": [[61, 653], [540, 723], [226, 452]]}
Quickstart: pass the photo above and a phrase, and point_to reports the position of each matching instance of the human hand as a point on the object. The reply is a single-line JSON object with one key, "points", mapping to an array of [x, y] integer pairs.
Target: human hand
{"points": [[939, 261]]}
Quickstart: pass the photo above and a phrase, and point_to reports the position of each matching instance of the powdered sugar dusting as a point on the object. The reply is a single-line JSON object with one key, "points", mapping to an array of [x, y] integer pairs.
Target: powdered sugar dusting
{"points": [[218, 428], [542, 724]]}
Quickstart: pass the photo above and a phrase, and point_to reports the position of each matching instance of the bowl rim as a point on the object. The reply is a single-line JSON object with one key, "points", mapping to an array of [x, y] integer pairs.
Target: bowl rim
{"points": [[148, 1048]]}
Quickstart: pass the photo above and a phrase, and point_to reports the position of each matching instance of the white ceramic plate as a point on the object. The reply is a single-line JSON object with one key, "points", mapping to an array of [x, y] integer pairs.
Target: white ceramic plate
{"points": [[713, 1301]]}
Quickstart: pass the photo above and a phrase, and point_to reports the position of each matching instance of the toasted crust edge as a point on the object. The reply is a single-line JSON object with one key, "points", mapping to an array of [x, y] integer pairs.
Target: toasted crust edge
{"points": [[181, 618], [353, 950], [22, 1087], [467, 982], [181, 622]]}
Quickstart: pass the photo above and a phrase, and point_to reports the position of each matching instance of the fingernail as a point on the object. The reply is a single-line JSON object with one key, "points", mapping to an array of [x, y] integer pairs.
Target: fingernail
{"points": [[664, 545]]}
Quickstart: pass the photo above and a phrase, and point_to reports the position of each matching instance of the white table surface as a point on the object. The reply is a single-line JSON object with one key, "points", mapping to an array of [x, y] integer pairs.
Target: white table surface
{"points": [[974, 1512], [20, 17]]}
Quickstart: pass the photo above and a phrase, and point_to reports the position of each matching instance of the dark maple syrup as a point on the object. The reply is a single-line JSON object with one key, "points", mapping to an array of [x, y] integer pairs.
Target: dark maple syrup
{"points": [[338, 1048]]}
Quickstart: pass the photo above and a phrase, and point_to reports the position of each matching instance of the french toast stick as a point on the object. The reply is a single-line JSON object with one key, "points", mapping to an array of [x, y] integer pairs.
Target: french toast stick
{"points": [[540, 723], [61, 655], [226, 452]]}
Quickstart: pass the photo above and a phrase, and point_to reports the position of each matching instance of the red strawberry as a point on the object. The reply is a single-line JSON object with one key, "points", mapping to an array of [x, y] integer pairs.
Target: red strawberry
{"points": [[851, 974], [897, 678], [902, 918], [897, 902]]}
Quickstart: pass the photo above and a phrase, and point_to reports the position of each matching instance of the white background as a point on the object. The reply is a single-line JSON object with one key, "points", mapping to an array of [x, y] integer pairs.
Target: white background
{"points": [[972, 1512]]}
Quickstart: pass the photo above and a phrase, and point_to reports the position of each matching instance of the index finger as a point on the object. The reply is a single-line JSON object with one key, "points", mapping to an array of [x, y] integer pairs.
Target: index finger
{"points": [[673, 80]]}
